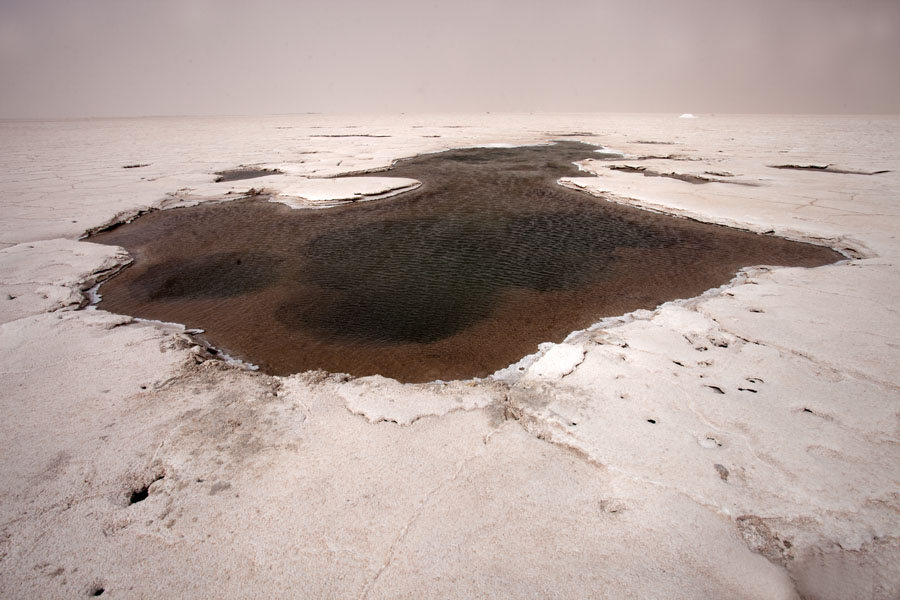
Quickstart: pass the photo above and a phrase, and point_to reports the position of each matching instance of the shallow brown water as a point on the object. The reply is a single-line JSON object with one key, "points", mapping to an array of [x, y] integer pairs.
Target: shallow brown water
{"points": [[461, 277]]}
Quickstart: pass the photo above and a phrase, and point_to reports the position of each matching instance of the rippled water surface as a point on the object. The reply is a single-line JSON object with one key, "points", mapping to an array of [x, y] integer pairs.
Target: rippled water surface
{"points": [[461, 277]]}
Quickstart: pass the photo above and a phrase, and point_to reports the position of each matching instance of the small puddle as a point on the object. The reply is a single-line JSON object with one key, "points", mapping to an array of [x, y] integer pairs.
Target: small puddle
{"points": [[456, 279], [244, 173]]}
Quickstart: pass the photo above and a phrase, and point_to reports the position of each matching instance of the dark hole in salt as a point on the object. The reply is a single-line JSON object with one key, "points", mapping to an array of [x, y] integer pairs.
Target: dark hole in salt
{"points": [[97, 591], [461, 277], [141, 494]]}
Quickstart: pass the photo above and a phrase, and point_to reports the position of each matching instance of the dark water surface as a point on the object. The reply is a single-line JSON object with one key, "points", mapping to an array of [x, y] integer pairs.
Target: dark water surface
{"points": [[461, 277]]}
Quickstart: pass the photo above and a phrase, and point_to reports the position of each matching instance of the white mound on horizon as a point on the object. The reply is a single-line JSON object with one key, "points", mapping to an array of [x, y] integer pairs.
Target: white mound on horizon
{"points": [[687, 116]]}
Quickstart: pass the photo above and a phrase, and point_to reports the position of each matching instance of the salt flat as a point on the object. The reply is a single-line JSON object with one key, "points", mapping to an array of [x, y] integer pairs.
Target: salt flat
{"points": [[745, 443]]}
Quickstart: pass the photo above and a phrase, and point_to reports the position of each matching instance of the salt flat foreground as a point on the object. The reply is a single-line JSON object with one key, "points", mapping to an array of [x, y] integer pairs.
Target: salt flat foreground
{"points": [[744, 444]]}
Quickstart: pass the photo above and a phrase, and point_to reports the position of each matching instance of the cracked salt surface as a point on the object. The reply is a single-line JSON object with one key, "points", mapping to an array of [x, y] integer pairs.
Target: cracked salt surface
{"points": [[540, 486]]}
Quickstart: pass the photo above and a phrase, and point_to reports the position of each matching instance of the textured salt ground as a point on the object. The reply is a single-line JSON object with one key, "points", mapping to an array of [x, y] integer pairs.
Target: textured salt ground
{"points": [[611, 467]]}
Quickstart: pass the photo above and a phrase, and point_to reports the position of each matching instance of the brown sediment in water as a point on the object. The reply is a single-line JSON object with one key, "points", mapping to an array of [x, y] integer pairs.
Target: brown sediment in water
{"points": [[461, 277]]}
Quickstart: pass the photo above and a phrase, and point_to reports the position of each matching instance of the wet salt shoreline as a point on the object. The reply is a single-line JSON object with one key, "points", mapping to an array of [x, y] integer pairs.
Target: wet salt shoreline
{"points": [[381, 289]]}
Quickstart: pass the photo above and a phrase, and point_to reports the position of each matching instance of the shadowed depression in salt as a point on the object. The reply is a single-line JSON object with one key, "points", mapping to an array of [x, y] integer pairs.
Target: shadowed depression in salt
{"points": [[456, 279]]}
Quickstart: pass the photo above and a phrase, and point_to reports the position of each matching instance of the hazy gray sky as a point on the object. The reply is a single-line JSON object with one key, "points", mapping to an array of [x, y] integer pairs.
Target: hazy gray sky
{"points": [[62, 58]]}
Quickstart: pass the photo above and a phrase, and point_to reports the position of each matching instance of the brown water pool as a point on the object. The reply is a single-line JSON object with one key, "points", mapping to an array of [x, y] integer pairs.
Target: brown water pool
{"points": [[456, 279]]}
